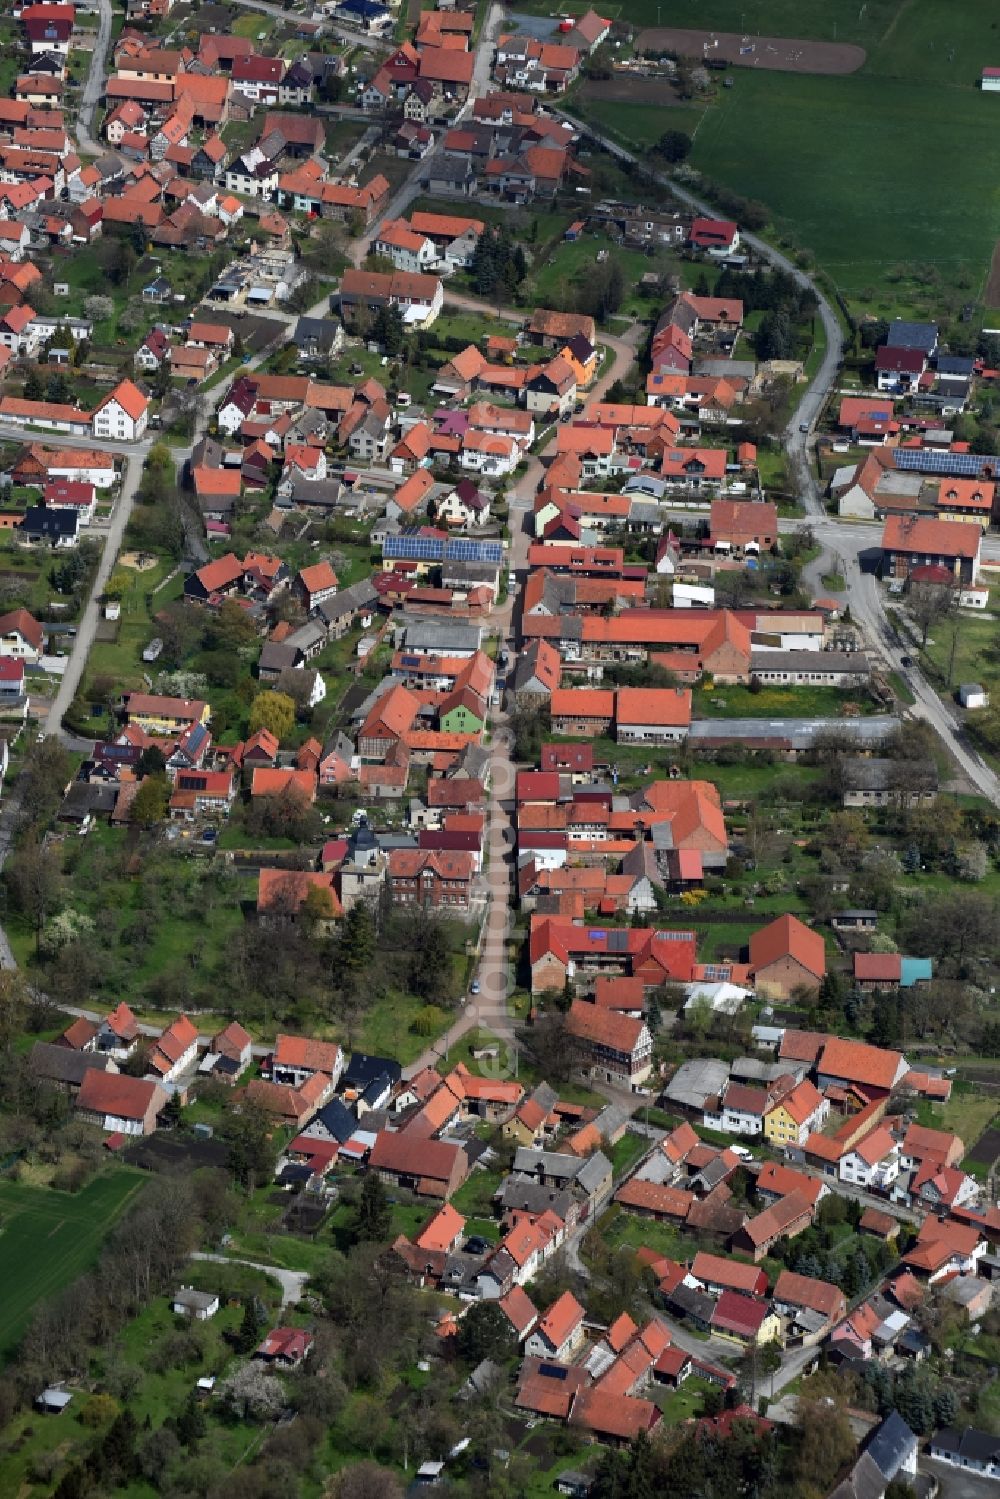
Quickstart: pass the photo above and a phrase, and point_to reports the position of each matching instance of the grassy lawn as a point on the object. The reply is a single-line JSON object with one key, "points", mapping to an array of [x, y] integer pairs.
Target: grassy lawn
{"points": [[640, 1233], [774, 702], [48, 1238], [976, 656], [680, 1405], [965, 1114], [189, 930], [474, 1198], [988, 1407], [626, 1151], [572, 261]]}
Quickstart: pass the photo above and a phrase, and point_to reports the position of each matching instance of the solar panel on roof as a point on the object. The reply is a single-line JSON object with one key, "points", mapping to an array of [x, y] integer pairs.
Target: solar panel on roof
{"points": [[958, 465], [597, 936], [618, 941], [553, 1371]]}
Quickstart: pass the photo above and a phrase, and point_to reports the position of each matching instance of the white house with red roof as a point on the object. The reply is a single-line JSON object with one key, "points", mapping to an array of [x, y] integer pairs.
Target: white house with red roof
{"points": [[123, 414], [21, 635], [717, 237], [559, 1332], [873, 1163]]}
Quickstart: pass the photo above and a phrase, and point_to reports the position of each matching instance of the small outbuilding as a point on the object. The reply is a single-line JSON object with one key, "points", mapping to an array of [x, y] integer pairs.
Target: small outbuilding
{"points": [[200, 1305], [973, 695]]}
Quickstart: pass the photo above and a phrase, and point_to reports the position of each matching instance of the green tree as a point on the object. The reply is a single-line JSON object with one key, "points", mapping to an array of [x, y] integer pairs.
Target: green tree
{"points": [[389, 330], [34, 882], [374, 1217], [152, 762], [150, 803], [485, 1332], [430, 965], [251, 1327], [356, 948], [273, 711], [674, 145], [250, 1149]]}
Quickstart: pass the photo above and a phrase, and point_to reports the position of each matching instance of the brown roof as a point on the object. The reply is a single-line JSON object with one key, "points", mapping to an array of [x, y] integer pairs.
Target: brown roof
{"points": [[80, 1033], [603, 1027], [719, 1270], [412, 1155], [619, 1416], [118, 1094], [777, 1220], [802, 1290], [802, 1046]]}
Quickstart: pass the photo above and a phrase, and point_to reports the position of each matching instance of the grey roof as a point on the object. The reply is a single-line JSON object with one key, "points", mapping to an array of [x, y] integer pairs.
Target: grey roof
{"points": [[691, 1303], [428, 635], [863, 1482], [195, 1301], [350, 600], [978, 1445], [312, 633], [742, 369], [337, 1119], [906, 335], [891, 1444], [277, 655], [60, 1064], [966, 1288], [694, 1081], [595, 1170], [452, 169], [801, 733], [324, 492], [955, 364], [877, 773], [755, 1069], [853, 663]]}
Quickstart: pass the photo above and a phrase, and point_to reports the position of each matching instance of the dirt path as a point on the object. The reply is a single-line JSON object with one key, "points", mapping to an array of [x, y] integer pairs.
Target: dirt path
{"points": [[991, 295], [774, 54]]}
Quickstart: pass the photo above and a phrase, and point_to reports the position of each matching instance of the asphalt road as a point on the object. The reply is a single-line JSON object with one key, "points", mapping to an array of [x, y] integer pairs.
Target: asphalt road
{"points": [[87, 628], [292, 1282], [413, 186], [93, 88]]}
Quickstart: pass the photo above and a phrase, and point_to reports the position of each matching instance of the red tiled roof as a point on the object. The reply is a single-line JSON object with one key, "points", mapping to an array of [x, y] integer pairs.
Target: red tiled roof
{"points": [[117, 1094], [802, 1290], [856, 1062], [734, 1275], [306, 1052], [785, 937]]}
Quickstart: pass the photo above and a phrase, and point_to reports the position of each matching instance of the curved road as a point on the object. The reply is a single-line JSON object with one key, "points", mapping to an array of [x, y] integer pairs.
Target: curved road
{"points": [[292, 1282]]}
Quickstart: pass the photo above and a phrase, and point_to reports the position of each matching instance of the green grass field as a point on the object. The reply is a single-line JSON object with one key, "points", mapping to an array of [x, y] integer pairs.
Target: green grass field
{"points": [[892, 166], [840, 20], [48, 1238]]}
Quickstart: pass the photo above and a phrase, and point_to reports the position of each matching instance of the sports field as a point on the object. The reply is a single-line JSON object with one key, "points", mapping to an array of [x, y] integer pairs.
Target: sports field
{"points": [[49, 1238], [894, 165]]}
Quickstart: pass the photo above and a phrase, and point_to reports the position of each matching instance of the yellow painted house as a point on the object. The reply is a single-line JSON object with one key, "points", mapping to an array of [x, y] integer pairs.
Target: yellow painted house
{"points": [[165, 715], [794, 1117]]}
